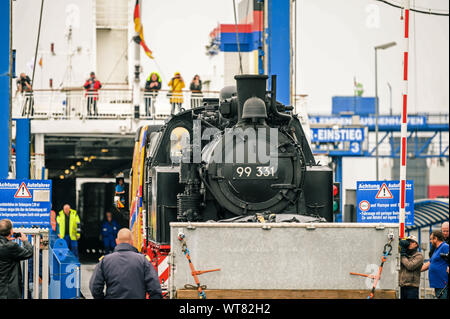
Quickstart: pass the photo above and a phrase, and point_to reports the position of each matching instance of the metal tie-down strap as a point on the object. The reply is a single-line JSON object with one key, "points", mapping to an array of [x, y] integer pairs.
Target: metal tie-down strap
{"points": [[194, 272], [386, 251]]}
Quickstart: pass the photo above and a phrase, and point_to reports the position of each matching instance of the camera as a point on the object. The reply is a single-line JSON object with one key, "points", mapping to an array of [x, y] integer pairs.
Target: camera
{"points": [[17, 235], [404, 243]]}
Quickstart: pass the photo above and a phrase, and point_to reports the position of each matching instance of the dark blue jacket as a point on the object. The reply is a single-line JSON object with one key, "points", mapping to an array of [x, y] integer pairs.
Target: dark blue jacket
{"points": [[11, 254], [110, 229], [127, 275]]}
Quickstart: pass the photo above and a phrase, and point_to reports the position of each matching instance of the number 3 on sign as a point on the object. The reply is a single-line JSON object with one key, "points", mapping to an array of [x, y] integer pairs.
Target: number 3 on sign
{"points": [[354, 147]]}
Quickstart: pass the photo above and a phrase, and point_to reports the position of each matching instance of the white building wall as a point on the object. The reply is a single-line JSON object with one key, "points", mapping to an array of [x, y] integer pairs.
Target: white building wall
{"points": [[232, 66], [112, 60], [57, 16], [439, 173], [215, 76], [112, 19], [363, 169]]}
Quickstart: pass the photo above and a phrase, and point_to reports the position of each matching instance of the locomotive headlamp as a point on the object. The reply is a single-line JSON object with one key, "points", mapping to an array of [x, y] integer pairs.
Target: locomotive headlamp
{"points": [[254, 108]]}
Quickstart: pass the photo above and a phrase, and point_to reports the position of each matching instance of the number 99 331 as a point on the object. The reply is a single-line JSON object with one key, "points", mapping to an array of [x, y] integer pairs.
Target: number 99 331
{"points": [[254, 172]]}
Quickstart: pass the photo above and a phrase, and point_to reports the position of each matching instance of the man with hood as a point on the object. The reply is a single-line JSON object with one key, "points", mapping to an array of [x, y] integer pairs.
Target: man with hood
{"points": [[152, 86], [176, 95], [411, 261]]}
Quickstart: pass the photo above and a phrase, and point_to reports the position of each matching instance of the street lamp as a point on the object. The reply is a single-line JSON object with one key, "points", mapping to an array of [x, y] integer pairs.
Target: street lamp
{"points": [[377, 111], [390, 98]]}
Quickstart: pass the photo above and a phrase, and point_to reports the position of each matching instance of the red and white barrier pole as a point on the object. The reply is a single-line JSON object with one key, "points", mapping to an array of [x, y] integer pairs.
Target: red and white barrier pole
{"points": [[404, 126]]}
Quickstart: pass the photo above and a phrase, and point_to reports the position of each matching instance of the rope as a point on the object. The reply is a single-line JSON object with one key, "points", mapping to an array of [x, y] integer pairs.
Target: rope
{"points": [[117, 63], [37, 45], [415, 10], [442, 291], [237, 36]]}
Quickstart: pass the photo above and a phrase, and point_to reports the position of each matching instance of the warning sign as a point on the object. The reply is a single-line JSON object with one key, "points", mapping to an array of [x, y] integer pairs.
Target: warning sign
{"points": [[384, 193], [364, 205], [27, 203], [22, 192], [378, 202]]}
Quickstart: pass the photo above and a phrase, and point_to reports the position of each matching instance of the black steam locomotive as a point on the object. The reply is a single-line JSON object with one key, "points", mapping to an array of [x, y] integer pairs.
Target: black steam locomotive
{"points": [[242, 157]]}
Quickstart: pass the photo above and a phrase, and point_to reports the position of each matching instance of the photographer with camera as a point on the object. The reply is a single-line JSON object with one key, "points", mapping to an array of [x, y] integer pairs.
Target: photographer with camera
{"points": [[11, 253], [411, 261], [438, 266]]}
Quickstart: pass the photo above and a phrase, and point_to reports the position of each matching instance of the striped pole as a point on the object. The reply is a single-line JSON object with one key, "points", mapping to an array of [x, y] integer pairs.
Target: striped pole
{"points": [[404, 126]]}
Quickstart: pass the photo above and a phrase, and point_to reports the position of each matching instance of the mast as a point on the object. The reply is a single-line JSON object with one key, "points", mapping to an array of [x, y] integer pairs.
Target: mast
{"points": [[137, 70]]}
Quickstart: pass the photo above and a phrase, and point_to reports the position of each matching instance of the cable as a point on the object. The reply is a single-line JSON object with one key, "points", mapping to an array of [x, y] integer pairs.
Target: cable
{"points": [[37, 45], [237, 36], [295, 57], [117, 63], [261, 40], [414, 10], [161, 71], [425, 10]]}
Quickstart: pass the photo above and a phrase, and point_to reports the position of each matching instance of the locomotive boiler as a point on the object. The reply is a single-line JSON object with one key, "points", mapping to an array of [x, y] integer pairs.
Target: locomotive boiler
{"points": [[243, 157]]}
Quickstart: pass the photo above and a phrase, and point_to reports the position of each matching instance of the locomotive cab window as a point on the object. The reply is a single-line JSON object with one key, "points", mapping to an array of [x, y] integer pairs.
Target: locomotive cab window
{"points": [[154, 138], [179, 140]]}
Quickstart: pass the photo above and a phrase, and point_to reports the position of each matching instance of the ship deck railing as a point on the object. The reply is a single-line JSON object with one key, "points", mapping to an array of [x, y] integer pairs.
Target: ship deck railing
{"points": [[70, 104], [110, 104]]}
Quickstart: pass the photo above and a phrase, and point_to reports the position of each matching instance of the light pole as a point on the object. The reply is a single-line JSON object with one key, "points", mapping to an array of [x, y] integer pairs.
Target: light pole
{"points": [[377, 111], [390, 98]]}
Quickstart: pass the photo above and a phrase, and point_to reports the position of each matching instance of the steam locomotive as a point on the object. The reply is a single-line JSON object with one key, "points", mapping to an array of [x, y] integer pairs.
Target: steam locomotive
{"points": [[243, 157]]}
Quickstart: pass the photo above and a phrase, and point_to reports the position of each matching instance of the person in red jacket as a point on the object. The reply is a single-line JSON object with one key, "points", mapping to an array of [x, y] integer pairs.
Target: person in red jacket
{"points": [[92, 86]]}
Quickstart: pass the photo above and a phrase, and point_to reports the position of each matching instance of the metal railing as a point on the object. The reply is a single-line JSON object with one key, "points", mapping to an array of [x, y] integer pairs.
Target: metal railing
{"points": [[437, 144], [112, 104], [105, 104], [36, 287], [36, 163]]}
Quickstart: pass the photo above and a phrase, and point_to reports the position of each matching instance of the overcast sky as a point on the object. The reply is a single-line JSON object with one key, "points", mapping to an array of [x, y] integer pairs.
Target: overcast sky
{"points": [[178, 30]]}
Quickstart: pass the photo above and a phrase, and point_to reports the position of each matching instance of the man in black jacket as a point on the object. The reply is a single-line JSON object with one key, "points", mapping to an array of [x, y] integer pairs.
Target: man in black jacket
{"points": [[127, 273], [11, 254]]}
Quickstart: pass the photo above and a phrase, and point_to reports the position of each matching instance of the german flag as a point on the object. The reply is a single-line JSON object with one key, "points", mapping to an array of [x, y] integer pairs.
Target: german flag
{"points": [[140, 29]]}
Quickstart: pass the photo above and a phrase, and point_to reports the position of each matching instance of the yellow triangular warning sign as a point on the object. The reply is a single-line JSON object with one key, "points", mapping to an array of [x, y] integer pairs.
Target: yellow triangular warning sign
{"points": [[22, 192], [384, 193]]}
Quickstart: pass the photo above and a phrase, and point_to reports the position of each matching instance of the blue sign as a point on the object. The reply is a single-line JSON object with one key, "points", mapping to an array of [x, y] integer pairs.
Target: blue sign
{"points": [[384, 121], [350, 134], [378, 202], [4, 88], [353, 149], [26, 202]]}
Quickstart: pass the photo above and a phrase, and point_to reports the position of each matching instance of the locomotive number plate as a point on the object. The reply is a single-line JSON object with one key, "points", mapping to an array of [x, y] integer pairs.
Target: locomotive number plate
{"points": [[254, 172]]}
